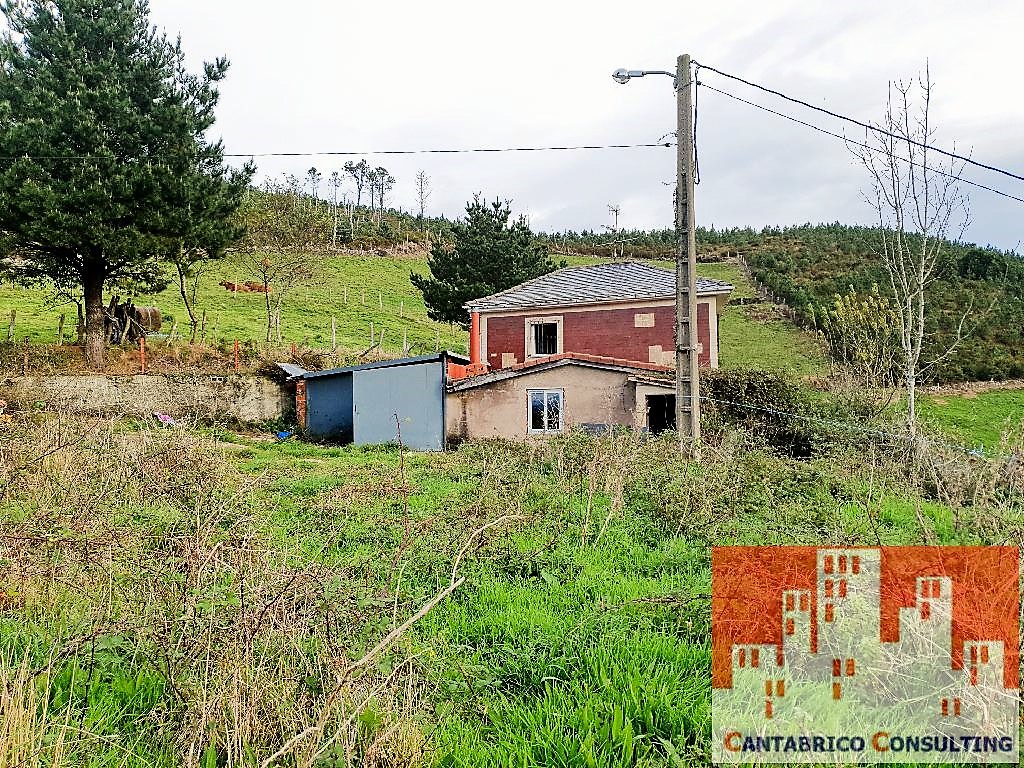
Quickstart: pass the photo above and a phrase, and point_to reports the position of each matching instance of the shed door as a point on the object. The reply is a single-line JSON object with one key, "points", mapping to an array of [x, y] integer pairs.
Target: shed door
{"points": [[329, 407], [413, 392]]}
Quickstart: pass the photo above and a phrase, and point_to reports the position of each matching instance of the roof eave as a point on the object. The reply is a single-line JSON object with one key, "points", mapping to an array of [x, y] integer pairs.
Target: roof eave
{"points": [[474, 307]]}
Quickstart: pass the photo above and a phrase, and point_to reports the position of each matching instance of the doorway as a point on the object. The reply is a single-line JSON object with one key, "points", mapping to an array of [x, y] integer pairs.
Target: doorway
{"points": [[661, 413]]}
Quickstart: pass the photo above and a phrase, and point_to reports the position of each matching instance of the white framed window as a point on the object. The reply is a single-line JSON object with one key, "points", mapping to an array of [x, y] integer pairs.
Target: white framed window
{"points": [[545, 412], [543, 336]]}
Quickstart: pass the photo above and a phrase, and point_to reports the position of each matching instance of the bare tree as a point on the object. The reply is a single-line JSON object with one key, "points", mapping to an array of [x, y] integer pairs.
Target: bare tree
{"points": [[335, 185], [423, 193], [279, 271], [916, 194], [314, 177], [385, 182], [358, 172]]}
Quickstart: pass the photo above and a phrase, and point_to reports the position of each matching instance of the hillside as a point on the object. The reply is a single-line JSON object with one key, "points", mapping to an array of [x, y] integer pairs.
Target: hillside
{"points": [[391, 304], [808, 265]]}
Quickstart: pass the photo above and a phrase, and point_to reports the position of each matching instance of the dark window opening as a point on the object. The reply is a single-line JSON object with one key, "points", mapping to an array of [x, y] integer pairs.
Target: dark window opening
{"points": [[545, 338], [661, 413]]}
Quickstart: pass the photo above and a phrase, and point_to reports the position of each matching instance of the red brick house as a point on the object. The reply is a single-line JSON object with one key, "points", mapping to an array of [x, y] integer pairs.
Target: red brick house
{"points": [[623, 310], [589, 347]]}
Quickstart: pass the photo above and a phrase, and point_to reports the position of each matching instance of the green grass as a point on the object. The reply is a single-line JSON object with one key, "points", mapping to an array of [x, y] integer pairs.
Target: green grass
{"points": [[744, 340], [581, 635], [377, 287], [977, 420], [748, 341]]}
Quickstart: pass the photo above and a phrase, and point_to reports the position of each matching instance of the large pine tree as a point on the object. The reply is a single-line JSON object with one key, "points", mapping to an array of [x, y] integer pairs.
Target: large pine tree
{"points": [[106, 172], [487, 254]]}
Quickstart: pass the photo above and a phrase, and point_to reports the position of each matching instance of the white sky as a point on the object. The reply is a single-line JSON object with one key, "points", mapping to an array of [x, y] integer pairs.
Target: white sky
{"points": [[315, 75]]}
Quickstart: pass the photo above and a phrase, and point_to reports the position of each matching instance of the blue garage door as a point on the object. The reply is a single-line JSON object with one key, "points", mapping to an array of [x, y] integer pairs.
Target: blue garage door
{"points": [[414, 392]]}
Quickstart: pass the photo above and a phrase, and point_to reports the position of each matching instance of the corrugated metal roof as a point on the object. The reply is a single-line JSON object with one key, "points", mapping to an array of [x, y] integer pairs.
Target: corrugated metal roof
{"points": [[600, 283], [293, 371], [441, 356]]}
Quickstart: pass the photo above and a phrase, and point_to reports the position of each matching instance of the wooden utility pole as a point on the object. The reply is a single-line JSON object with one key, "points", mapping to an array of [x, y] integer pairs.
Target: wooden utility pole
{"points": [[687, 373]]}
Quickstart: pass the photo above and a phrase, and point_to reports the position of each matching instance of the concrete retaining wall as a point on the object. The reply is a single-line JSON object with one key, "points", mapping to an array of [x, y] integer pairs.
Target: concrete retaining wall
{"points": [[244, 398]]}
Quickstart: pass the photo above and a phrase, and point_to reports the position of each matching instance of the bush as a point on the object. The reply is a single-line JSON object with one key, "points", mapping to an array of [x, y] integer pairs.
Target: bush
{"points": [[771, 406]]}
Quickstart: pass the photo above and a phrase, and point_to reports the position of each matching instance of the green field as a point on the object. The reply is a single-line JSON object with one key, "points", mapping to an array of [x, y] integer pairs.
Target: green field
{"points": [[197, 598], [370, 282], [355, 290], [746, 341], [977, 419]]}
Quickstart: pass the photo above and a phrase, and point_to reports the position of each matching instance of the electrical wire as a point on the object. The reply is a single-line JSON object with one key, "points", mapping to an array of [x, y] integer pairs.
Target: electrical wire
{"points": [[347, 153], [847, 426], [696, 156], [855, 143], [867, 126]]}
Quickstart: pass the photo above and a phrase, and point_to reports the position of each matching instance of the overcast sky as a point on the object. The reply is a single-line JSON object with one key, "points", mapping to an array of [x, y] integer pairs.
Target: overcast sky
{"points": [[317, 75]]}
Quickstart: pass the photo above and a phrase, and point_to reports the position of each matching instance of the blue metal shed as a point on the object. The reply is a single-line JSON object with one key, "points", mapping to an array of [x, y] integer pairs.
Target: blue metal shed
{"points": [[360, 404]]}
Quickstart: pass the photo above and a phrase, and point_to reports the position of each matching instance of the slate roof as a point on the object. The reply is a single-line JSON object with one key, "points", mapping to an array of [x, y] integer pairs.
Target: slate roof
{"points": [[600, 283], [556, 361]]}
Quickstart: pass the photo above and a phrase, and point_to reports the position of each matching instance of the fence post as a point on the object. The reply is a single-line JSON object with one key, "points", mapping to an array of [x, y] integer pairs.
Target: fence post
{"points": [[10, 328], [237, 366], [142, 353], [334, 334], [60, 330]]}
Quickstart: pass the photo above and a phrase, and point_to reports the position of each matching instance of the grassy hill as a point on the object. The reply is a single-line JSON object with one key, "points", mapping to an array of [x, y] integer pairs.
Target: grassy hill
{"points": [[808, 265], [356, 289]]}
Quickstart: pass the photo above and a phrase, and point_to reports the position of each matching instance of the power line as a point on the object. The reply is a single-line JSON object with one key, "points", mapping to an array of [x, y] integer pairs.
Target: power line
{"points": [[861, 144], [850, 427], [862, 124], [347, 153], [452, 151]]}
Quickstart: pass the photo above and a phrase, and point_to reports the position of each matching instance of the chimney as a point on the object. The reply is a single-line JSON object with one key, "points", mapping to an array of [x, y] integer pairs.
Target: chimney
{"points": [[474, 339]]}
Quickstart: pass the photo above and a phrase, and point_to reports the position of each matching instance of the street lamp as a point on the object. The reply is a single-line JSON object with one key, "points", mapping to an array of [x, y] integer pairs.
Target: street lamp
{"points": [[687, 372], [623, 76]]}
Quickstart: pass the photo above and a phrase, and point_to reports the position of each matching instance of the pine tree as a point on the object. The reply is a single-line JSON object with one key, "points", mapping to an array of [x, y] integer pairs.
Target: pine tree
{"points": [[487, 254], [108, 174]]}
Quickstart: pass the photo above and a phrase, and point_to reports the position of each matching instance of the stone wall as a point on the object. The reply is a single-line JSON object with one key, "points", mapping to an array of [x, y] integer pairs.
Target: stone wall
{"points": [[243, 397]]}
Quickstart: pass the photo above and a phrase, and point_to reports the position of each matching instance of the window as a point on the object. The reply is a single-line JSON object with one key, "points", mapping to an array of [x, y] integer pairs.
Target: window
{"points": [[545, 410], [545, 339], [543, 336]]}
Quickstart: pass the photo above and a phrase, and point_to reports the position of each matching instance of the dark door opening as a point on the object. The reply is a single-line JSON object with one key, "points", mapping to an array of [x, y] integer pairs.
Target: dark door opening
{"points": [[661, 413]]}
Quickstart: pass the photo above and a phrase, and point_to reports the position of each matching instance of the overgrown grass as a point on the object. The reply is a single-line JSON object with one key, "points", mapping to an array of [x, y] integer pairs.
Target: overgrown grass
{"points": [[197, 597]]}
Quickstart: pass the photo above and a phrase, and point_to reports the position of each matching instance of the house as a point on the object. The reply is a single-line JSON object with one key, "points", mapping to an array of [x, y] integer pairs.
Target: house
{"points": [[589, 347], [378, 402], [552, 394], [622, 310]]}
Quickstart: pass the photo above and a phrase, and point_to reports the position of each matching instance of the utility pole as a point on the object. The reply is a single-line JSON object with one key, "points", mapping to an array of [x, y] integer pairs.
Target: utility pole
{"points": [[687, 372]]}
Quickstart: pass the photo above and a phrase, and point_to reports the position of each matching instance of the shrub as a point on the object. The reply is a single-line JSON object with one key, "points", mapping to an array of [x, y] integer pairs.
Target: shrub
{"points": [[771, 406]]}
